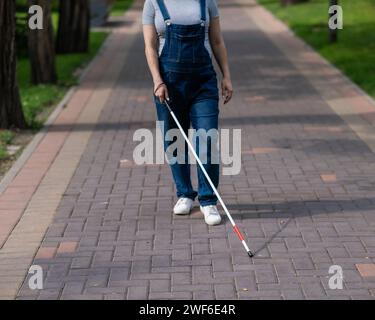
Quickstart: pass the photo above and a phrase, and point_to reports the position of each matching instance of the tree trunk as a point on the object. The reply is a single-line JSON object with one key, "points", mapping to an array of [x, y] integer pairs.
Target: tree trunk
{"points": [[11, 113], [74, 26], [42, 48], [332, 32]]}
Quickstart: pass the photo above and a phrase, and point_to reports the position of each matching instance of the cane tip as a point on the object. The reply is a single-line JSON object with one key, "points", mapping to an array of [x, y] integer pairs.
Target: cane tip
{"points": [[250, 254]]}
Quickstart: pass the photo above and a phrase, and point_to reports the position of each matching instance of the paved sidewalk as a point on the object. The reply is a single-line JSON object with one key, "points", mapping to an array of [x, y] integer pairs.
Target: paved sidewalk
{"points": [[305, 197]]}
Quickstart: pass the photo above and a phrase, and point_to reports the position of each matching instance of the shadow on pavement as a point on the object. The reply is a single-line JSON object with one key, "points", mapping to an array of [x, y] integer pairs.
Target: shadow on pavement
{"points": [[289, 210], [301, 208]]}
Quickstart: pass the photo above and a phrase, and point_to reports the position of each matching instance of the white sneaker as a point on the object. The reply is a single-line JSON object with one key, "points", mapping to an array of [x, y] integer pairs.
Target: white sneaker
{"points": [[211, 215], [183, 206]]}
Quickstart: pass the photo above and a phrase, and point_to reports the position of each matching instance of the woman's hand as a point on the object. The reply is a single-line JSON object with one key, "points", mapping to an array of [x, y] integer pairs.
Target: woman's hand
{"points": [[161, 92], [227, 89]]}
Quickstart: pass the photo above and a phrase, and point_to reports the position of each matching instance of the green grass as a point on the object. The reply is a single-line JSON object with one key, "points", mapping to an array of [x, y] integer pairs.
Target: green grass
{"points": [[3, 152], [6, 138], [36, 98], [354, 51], [120, 7]]}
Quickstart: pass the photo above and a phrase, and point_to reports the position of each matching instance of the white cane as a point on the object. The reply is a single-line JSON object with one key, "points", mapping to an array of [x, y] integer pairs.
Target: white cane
{"points": [[235, 228]]}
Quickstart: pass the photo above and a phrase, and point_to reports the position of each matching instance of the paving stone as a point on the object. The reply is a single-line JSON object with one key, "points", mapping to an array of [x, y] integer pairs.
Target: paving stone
{"points": [[366, 270], [162, 285], [137, 293], [181, 278], [225, 291]]}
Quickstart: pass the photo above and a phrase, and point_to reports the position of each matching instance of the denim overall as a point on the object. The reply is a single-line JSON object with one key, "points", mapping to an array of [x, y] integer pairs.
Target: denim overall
{"points": [[187, 70]]}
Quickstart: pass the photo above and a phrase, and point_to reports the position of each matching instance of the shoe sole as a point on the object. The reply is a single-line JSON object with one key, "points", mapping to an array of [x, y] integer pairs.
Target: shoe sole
{"points": [[213, 224], [182, 213]]}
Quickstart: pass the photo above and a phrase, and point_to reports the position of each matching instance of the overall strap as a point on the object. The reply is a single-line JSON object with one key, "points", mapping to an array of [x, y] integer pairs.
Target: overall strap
{"points": [[203, 10], [163, 10]]}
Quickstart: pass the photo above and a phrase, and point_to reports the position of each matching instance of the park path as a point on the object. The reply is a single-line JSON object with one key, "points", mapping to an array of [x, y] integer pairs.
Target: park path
{"points": [[101, 227]]}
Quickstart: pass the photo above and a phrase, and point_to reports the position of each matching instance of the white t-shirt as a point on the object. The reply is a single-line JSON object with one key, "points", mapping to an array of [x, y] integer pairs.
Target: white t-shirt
{"points": [[185, 12]]}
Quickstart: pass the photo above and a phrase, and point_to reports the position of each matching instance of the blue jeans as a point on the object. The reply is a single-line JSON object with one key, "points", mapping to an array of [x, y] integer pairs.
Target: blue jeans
{"points": [[194, 100]]}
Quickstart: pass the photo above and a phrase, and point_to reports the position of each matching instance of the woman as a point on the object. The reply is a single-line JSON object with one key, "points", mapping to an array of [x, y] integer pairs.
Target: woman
{"points": [[180, 38]]}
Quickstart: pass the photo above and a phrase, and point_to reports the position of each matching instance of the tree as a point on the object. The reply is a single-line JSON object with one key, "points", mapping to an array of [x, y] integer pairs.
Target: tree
{"points": [[332, 32], [11, 113], [41, 47], [74, 26]]}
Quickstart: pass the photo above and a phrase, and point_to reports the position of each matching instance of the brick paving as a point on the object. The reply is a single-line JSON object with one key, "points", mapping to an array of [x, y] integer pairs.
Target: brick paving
{"points": [[305, 197]]}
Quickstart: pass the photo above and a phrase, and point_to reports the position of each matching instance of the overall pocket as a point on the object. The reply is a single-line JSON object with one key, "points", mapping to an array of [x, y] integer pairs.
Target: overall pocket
{"points": [[188, 48]]}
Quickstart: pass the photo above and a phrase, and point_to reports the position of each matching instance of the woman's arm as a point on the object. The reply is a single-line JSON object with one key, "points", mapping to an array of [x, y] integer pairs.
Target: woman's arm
{"points": [[151, 51], [221, 56]]}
